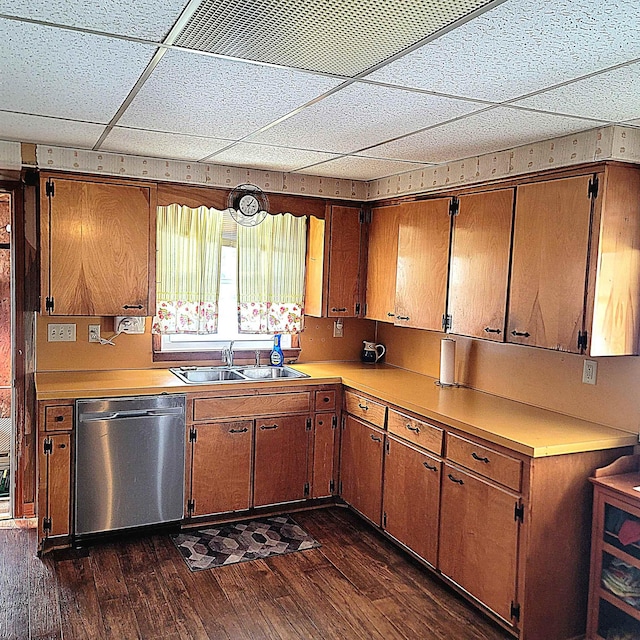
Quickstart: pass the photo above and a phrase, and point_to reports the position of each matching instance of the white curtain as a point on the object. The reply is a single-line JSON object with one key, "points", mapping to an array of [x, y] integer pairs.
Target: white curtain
{"points": [[271, 269], [188, 249]]}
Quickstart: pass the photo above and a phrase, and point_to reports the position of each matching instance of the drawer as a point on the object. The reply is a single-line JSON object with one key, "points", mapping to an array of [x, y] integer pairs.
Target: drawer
{"points": [[325, 401], [58, 418], [365, 408], [251, 406], [485, 461], [421, 433]]}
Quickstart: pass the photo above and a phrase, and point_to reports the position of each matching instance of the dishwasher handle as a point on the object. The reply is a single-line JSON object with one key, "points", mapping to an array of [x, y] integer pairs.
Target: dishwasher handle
{"points": [[125, 415]]}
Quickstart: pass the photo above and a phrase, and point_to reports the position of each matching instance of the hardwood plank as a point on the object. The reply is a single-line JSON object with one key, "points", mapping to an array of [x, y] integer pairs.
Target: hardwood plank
{"points": [[14, 615]]}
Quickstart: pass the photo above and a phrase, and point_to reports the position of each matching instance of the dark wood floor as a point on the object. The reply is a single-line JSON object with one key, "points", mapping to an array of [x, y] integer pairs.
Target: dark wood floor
{"points": [[357, 585]]}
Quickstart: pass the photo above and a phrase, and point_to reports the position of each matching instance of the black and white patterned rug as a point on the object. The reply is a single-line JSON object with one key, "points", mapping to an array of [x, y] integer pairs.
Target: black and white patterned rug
{"points": [[242, 541]]}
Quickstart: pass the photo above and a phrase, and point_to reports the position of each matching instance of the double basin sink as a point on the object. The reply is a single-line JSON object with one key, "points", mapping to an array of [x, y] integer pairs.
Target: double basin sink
{"points": [[210, 375]]}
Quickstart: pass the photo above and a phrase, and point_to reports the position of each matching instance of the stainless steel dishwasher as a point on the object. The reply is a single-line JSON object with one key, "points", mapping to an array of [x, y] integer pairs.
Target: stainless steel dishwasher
{"points": [[129, 455]]}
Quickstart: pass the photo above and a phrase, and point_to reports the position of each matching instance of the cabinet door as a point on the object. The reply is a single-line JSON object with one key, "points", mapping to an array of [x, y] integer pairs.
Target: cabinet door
{"points": [[314, 277], [98, 243], [324, 431], [412, 498], [55, 485], [361, 468], [382, 263], [344, 262], [280, 460], [479, 539], [221, 467], [550, 251], [423, 261], [479, 272]]}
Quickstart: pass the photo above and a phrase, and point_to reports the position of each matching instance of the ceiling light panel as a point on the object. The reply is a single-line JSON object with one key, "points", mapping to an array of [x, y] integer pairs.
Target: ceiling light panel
{"points": [[157, 144], [355, 168], [269, 158], [592, 97], [520, 47], [343, 38], [487, 132], [141, 19], [41, 130], [361, 115], [66, 74], [203, 95]]}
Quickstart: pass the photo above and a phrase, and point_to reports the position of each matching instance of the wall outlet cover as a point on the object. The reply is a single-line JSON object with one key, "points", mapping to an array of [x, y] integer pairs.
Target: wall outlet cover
{"points": [[129, 324], [589, 372]]}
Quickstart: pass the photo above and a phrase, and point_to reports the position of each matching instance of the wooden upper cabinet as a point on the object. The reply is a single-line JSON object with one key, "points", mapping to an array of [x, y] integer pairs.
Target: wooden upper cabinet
{"points": [[423, 260], [479, 270], [97, 246], [382, 263]]}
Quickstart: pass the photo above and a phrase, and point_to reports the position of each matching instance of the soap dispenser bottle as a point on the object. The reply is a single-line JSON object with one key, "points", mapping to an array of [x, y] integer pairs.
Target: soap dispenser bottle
{"points": [[276, 358]]}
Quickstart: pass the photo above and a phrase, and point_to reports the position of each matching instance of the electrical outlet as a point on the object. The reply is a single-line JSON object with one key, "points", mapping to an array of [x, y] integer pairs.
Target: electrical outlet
{"points": [[338, 329], [589, 372], [94, 333], [61, 332], [129, 324]]}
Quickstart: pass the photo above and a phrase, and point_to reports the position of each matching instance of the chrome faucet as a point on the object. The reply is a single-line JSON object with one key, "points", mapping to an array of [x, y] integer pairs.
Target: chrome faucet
{"points": [[257, 357], [227, 355]]}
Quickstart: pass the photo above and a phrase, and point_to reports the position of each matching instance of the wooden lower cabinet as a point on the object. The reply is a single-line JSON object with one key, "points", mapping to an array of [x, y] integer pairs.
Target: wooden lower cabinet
{"points": [[324, 436], [221, 467], [361, 468], [479, 539], [54, 495], [412, 498], [280, 473]]}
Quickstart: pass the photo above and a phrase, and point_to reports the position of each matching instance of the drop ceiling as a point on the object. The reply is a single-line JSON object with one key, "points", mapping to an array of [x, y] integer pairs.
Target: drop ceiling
{"points": [[358, 89]]}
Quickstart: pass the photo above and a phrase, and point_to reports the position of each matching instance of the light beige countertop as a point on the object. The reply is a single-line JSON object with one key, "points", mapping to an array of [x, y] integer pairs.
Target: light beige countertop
{"points": [[530, 430]]}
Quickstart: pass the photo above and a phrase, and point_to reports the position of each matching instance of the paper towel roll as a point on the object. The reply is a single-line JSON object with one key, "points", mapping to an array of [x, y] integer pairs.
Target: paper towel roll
{"points": [[447, 361]]}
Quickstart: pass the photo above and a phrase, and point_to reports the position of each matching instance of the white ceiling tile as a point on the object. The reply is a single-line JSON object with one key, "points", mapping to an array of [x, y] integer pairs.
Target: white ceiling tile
{"points": [[66, 74], [634, 123], [203, 95], [141, 19], [271, 158], [357, 168], [522, 46], [26, 128], [592, 97], [361, 115], [486, 132], [160, 145]]}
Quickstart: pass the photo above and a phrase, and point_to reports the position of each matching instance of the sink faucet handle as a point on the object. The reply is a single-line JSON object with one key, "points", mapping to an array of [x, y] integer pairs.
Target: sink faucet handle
{"points": [[257, 357]]}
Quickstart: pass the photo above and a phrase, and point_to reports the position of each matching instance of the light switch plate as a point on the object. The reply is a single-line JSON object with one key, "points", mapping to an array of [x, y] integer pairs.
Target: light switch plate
{"points": [[61, 332]]}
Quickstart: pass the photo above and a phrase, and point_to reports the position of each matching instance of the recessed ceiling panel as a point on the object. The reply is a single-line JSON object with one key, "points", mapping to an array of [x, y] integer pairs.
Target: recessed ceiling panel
{"points": [[361, 115], [356, 168], [202, 95], [141, 19], [160, 145], [40, 130], [594, 97], [66, 74], [522, 46], [343, 37], [494, 130], [269, 158]]}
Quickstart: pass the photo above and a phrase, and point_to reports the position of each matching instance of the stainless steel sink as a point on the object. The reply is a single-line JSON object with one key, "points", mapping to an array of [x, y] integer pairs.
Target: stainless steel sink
{"points": [[271, 373], [211, 375]]}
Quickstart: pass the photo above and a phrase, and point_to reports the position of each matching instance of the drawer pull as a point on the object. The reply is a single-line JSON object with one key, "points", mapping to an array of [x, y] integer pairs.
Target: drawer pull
{"points": [[244, 430], [340, 310], [402, 317], [59, 418], [490, 330], [454, 479], [431, 467], [264, 427], [363, 407], [375, 438], [520, 334], [475, 456], [326, 399], [414, 429], [391, 315], [132, 306]]}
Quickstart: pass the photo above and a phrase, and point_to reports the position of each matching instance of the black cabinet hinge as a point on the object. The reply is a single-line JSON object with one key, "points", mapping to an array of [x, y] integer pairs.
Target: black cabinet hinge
{"points": [[515, 611], [334, 422], [518, 512], [384, 520], [332, 486], [46, 524], [592, 190], [386, 446], [48, 446], [306, 489], [582, 340], [49, 188], [357, 308], [191, 507], [446, 322], [454, 206], [308, 424], [193, 434], [344, 422], [48, 304], [365, 216]]}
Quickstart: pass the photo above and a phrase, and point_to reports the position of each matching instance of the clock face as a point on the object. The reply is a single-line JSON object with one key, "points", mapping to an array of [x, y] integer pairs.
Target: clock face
{"points": [[248, 205]]}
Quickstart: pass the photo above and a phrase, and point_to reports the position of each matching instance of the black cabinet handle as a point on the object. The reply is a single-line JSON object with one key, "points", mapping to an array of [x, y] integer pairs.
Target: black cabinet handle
{"points": [[490, 330], [339, 310], [264, 427], [402, 317], [414, 429], [363, 407], [132, 306], [475, 456], [63, 446], [375, 438], [59, 418], [431, 467], [453, 479], [326, 399], [391, 315], [238, 430], [520, 334]]}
